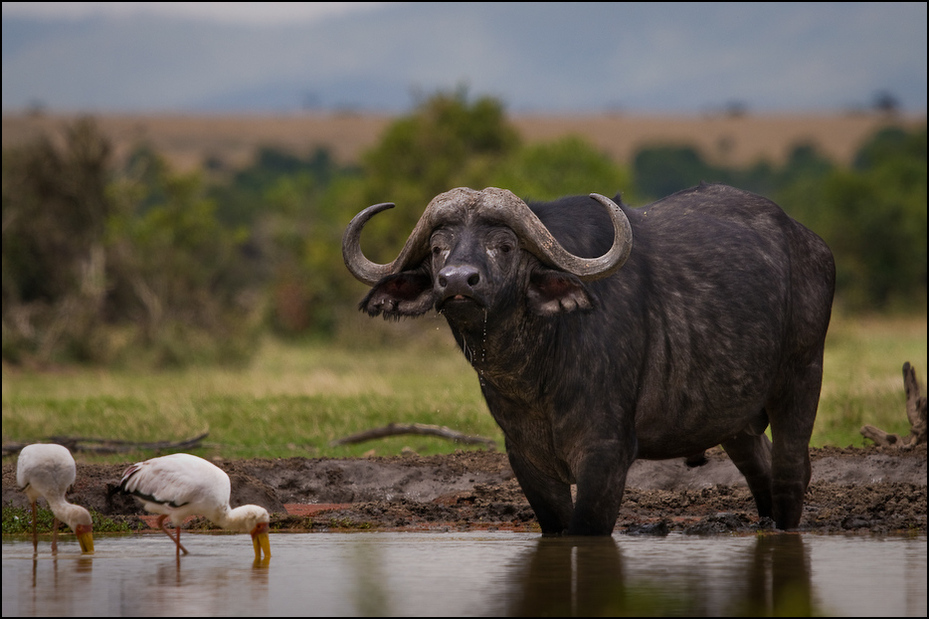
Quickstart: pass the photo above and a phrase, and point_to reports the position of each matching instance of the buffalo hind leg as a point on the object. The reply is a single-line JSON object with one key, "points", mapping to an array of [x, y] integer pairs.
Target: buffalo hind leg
{"points": [[792, 418], [778, 474], [549, 498], [751, 454]]}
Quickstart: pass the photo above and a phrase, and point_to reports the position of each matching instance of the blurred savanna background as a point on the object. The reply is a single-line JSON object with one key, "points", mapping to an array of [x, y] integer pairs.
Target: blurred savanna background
{"points": [[170, 273]]}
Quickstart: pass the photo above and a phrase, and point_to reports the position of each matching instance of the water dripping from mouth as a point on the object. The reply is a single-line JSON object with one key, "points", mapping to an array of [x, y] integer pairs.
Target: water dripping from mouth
{"points": [[480, 371], [484, 338]]}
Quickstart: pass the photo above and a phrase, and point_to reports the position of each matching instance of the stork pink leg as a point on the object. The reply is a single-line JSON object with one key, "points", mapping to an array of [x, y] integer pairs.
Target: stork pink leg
{"points": [[35, 535], [177, 539]]}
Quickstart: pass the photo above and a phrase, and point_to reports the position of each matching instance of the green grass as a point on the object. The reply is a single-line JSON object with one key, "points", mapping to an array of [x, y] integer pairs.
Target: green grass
{"points": [[863, 377], [295, 398], [292, 401], [18, 521]]}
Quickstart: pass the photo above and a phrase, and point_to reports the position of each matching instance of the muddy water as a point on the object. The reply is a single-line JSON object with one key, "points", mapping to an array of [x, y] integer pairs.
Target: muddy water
{"points": [[471, 574]]}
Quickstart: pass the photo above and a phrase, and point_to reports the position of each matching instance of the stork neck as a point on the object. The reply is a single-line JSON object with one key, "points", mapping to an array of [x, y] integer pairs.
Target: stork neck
{"points": [[233, 519], [220, 517], [69, 513]]}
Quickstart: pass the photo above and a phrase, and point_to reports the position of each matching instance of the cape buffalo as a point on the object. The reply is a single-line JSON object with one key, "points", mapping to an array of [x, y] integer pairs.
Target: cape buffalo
{"points": [[602, 333]]}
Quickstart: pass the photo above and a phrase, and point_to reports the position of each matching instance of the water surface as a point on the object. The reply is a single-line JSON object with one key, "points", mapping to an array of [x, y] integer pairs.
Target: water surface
{"points": [[470, 574]]}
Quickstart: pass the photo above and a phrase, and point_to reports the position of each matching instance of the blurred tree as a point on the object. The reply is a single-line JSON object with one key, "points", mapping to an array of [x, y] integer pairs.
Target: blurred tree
{"points": [[294, 234], [308, 281], [873, 214], [98, 268], [243, 199], [55, 212], [554, 169], [886, 102], [184, 279], [877, 223], [889, 145], [660, 171], [798, 186]]}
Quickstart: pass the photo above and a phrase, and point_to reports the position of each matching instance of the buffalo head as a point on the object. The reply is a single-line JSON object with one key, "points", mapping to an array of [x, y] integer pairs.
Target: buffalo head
{"points": [[470, 245]]}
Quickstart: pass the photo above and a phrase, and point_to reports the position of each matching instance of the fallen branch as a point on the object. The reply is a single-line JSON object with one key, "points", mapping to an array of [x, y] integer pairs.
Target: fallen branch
{"points": [[108, 446], [915, 412], [394, 429]]}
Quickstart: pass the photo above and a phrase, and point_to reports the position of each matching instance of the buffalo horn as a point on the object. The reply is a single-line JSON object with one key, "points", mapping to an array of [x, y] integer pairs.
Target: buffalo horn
{"points": [[540, 242], [510, 211]]}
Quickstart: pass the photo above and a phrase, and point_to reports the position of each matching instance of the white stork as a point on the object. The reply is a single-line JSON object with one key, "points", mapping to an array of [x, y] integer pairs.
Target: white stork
{"points": [[181, 485], [48, 471]]}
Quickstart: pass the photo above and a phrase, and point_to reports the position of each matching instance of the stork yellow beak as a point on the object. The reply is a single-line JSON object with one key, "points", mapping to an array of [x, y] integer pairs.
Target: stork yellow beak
{"points": [[261, 541], [85, 537]]}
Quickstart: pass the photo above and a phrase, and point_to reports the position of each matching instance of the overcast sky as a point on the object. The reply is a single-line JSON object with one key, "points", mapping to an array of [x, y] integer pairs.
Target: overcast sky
{"points": [[221, 12], [545, 57]]}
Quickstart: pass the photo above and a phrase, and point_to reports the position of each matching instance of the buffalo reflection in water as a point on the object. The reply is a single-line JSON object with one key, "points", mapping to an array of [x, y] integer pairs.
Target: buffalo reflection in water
{"points": [[579, 576]]}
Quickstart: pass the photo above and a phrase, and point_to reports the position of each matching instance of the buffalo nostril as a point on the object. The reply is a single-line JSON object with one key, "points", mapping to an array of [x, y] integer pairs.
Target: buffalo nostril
{"points": [[458, 279]]}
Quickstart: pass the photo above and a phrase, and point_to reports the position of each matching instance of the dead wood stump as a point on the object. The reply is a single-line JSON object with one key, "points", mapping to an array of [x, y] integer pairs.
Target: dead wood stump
{"points": [[915, 412]]}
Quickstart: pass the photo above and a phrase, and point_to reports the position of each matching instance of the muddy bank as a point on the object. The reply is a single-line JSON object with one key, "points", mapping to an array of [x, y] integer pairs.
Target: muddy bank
{"points": [[875, 489]]}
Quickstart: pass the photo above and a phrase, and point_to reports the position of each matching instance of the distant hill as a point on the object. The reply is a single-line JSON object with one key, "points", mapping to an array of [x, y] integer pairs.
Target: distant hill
{"points": [[735, 140]]}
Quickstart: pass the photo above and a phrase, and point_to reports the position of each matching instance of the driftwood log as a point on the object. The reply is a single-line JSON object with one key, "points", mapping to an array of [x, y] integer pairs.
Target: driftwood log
{"points": [[394, 429], [915, 412], [108, 446]]}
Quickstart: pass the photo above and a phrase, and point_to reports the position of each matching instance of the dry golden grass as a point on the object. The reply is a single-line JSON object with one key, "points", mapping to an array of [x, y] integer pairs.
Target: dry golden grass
{"points": [[189, 141], [734, 141]]}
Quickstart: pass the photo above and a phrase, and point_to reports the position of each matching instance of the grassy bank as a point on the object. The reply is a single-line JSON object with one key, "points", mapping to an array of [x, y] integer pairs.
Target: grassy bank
{"points": [[296, 398]]}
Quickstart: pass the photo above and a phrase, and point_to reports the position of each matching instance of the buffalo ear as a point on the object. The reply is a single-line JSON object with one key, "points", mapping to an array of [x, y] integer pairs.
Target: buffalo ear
{"points": [[556, 292], [405, 294]]}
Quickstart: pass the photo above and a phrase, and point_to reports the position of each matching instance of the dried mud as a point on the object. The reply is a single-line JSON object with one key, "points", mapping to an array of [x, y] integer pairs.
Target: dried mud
{"points": [[859, 490]]}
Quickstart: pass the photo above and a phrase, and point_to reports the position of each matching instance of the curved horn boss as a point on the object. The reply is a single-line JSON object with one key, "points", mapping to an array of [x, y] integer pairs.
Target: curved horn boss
{"points": [[498, 204]]}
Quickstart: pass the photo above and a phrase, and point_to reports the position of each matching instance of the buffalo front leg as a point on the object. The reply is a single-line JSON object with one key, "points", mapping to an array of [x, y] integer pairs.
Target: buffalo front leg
{"points": [[601, 481], [549, 498]]}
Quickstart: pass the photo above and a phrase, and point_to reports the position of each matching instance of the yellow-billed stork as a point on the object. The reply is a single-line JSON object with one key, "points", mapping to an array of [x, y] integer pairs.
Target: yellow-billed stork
{"points": [[48, 471], [181, 485]]}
